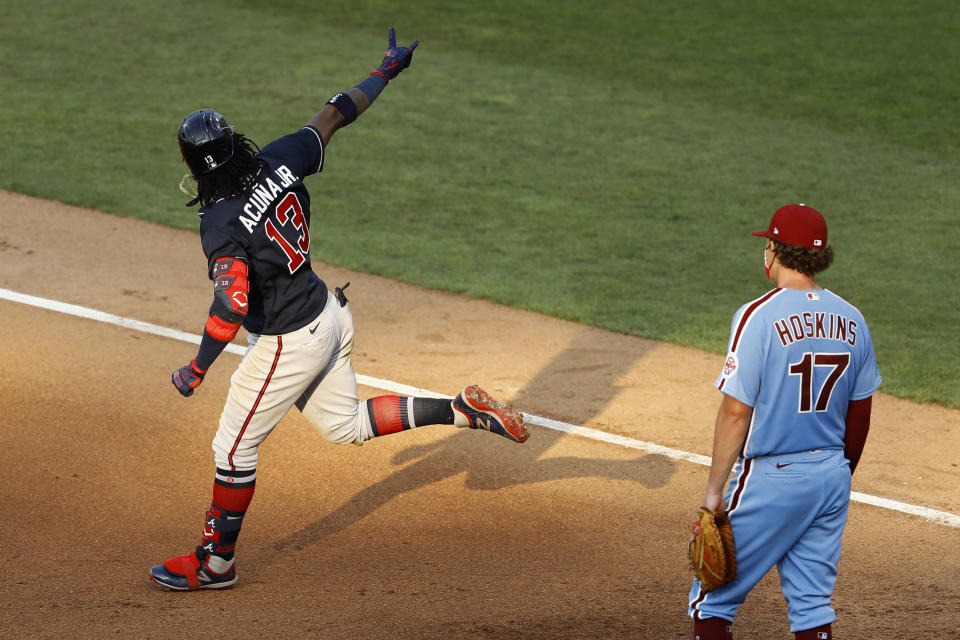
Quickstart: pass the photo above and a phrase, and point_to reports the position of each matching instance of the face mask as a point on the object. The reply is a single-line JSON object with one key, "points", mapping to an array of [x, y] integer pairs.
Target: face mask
{"points": [[766, 267]]}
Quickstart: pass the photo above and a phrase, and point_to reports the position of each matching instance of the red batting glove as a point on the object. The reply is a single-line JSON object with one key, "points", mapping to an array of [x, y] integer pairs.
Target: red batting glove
{"points": [[188, 378]]}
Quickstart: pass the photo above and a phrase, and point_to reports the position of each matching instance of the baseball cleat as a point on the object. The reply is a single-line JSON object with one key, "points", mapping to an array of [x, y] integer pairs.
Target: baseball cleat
{"points": [[188, 573], [475, 408]]}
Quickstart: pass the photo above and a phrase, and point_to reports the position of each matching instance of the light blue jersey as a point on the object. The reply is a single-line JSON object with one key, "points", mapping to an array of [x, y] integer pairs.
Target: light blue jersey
{"points": [[808, 346], [798, 357]]}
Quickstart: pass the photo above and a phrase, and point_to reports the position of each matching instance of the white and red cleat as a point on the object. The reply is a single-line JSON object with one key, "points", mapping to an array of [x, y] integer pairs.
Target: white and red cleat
{"points": [[475, 408]]}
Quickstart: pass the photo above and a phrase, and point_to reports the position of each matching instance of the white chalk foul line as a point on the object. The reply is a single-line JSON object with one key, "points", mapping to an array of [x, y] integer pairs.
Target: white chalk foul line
{"points": [[931, 515]]}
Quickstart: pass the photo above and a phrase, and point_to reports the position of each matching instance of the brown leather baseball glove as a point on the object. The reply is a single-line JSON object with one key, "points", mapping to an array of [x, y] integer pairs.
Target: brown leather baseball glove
{"points": [[712, 553]]}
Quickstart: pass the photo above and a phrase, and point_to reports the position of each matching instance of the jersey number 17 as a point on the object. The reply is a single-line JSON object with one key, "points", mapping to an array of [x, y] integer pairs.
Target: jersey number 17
{"points": [[838, 362]]}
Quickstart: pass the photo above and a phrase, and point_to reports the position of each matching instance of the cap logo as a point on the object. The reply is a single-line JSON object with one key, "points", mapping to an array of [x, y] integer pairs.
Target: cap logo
{"points": [[817, 243], [776, 231]]}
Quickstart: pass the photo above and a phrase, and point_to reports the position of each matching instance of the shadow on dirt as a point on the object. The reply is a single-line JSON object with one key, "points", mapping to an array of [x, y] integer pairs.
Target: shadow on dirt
{"points": [[593, 385]]}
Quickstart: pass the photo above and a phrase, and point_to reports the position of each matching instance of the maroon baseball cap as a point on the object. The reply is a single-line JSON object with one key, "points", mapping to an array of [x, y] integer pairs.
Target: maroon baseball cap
{"points": [[798, 225]]}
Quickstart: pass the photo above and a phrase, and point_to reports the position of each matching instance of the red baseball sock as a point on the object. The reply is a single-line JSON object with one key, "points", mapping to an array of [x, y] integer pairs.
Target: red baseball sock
{"points": [[820, 633], [232, 493], [233, 490], [712, 629], [392, 414]]}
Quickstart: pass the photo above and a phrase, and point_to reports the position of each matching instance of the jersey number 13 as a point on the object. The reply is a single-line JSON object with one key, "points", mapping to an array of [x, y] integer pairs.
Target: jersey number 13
{"points": [[289, 210]]}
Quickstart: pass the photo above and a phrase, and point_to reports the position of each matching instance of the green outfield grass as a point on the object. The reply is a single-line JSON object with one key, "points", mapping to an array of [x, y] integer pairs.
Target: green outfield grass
{"points": [[599, 163]]}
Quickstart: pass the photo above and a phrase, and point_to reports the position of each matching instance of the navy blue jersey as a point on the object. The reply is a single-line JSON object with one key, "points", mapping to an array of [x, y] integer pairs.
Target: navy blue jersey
{"points": [[268, 227]]}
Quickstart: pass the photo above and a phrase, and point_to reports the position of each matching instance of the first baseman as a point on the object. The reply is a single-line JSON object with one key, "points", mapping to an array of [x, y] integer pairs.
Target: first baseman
{"points": [[255, 232], [797, 386]]}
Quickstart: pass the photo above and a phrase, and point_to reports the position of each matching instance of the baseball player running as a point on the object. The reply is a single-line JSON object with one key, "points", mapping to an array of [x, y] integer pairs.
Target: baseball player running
{"points": [[797, 387], [255, 232]]}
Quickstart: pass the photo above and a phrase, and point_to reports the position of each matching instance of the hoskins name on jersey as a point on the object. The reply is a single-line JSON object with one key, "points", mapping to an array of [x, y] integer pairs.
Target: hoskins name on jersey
{"points": [[263, 195], [800, 326]]}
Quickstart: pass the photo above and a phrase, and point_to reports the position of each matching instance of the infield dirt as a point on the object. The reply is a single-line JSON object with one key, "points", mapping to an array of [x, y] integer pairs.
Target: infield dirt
{"points": [[435, 533]]}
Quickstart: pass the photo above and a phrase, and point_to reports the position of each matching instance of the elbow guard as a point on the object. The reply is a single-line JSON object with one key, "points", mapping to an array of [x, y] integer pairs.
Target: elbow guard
{"points": [[229, 308]]}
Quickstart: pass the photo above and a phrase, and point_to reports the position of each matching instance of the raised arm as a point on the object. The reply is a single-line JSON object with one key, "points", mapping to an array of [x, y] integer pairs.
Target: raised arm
{"points": [[346, 106]]}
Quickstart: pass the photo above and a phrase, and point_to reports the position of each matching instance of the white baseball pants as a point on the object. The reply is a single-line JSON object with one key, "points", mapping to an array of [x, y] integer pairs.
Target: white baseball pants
{"points": [[309, 368]]}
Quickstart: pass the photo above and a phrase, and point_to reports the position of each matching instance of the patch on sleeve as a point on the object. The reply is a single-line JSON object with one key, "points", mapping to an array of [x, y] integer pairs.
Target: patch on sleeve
{"points": [[730, 365]]}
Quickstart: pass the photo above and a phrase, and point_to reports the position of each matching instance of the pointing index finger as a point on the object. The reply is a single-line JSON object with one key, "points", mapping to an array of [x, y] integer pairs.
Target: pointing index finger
{"points": [[414, 45], [393, 38]]}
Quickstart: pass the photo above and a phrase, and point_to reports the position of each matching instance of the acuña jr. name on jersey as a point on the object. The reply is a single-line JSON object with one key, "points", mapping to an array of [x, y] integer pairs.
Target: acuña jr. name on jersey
{"points": [[263, 195]]}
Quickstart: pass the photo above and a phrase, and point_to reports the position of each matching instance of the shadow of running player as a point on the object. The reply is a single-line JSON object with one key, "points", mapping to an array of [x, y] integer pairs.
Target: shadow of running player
{"points": [[594, 388]]}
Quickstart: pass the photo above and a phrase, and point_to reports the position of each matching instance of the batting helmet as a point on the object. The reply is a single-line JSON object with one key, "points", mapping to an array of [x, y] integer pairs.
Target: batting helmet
{"points": [[206, 141]]}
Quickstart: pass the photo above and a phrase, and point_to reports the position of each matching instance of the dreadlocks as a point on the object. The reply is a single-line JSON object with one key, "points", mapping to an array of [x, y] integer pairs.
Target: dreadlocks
{"points": [[231, 178]]}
